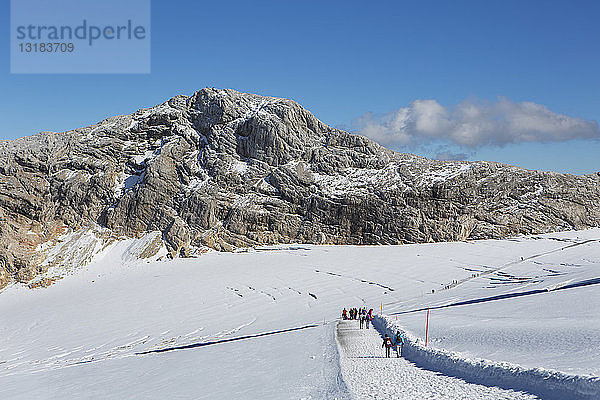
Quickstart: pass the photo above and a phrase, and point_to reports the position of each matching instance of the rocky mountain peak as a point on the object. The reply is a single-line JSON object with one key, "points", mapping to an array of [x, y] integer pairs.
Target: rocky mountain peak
{"points": [[271, 130], [224, 169]]}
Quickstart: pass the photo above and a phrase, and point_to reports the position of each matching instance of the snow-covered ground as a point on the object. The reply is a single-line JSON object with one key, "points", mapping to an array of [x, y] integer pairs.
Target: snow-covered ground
{"points": [[557, 329], [370, 375], [101, 331]]}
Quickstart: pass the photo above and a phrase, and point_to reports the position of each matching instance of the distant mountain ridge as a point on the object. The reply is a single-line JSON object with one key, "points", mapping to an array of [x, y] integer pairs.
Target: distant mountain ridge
{"points": [[225, 169]]}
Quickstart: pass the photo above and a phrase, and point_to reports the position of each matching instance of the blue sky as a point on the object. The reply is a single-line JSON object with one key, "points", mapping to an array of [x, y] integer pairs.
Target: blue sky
{"points": [[342, 59]]}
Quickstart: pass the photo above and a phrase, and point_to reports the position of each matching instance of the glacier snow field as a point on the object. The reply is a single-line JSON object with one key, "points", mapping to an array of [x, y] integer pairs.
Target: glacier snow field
{"points": [[261, 323]]}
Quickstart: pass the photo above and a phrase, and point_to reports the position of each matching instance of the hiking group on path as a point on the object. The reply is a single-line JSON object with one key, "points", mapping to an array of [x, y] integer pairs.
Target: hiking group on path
{"points": [[363, 316], [388, 343], [365, 319]]}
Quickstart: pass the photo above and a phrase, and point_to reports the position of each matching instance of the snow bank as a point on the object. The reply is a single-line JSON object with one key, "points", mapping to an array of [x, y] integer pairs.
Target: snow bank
{"points": [[545, 383]]}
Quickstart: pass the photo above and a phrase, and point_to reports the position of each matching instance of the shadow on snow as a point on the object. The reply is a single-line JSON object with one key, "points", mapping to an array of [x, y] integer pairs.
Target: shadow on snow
{"points": [[202, 344]]}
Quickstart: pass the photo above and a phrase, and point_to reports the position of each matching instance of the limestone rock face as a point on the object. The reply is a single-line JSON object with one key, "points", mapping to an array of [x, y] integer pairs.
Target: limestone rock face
{"points": [[226, 169]]}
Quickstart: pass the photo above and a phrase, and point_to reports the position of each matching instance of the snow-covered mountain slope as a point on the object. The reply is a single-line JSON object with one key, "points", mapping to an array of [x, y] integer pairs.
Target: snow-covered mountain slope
{"points": [[250, 324], [224, 169], [539, 324]]}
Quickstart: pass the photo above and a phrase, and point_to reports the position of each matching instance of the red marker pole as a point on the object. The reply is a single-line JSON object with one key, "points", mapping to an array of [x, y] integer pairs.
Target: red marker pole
{"points": [[427, 328]]}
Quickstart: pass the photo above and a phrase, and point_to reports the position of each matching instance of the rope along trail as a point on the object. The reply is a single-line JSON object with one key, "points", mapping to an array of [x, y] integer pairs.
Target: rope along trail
{"points": [[369, 375]]}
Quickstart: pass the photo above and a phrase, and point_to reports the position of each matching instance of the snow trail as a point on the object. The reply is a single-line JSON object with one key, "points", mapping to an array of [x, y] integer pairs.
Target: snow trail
{"points": [[370, 375]]}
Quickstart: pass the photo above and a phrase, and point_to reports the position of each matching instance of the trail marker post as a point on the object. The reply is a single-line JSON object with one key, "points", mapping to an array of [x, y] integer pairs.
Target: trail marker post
{"points": [[427, 328]]}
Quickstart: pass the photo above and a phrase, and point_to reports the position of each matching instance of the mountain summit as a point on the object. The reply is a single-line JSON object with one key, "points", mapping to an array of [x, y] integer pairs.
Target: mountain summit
{"points": [[224, 169]]}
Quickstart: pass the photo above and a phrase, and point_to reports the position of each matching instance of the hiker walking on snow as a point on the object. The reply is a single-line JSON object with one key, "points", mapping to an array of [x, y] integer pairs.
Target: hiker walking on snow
{"points": [[399, 341], [387, 343], [367, 318], [361, 321], [344, 314]]}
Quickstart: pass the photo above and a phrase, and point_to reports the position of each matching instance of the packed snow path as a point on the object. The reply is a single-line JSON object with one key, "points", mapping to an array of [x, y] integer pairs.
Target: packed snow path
{"points": [[370, 375]]}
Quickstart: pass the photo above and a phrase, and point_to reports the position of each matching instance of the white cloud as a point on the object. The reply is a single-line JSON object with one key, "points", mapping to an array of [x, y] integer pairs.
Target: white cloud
{"points": [[474, 124]]}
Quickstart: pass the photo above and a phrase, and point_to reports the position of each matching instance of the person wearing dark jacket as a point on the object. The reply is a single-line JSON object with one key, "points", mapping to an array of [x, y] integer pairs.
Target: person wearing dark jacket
{"points": [[387, 343]]}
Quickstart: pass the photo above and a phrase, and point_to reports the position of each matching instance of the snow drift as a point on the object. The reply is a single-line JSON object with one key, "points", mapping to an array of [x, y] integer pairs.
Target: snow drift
{"points": [[545, 383]]}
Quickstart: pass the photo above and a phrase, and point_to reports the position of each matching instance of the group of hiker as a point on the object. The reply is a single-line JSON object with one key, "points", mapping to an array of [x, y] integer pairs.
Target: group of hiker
{"points": [[388, 343], [365, 317]]}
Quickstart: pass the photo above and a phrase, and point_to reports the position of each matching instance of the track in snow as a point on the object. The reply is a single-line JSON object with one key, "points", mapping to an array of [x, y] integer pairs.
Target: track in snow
{"points": [[369, 375], [569, 285]]}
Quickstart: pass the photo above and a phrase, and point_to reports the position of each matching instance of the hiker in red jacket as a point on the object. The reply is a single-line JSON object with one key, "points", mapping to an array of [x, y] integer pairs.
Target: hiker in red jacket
{"points": [[387, 343]]}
